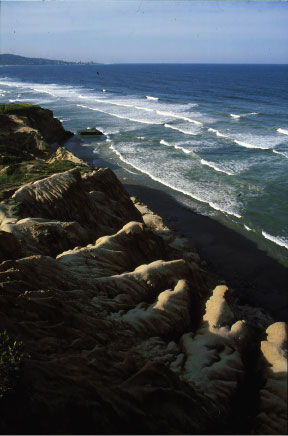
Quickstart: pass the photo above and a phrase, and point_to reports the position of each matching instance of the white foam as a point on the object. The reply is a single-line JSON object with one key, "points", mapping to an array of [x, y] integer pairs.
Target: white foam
{"points": [[103, 90], [282, 242], [247, 228], [235, 116], [131, 172], [51, 89], [245, 144], [109, 131], [11, 84], [144, 108], [44, 91], [253, 113], [282, 153], [217, 132], [284, 131], [157, 179], [152, 98], [119, 116], [186, 132], [140, 137], [105, 101], [216, 207], [177, 147], [180, 117], [215, 167]]}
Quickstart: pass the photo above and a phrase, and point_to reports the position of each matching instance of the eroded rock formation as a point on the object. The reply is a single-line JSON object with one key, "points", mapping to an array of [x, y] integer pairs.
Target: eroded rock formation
{"points": [[29, 128], [123, 330]]}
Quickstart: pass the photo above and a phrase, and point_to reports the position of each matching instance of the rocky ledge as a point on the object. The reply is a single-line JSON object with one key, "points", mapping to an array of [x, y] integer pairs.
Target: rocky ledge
{"points": [[111, 325]]}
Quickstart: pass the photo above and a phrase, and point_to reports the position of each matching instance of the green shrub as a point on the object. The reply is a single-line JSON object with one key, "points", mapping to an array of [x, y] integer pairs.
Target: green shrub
{"points": [[11, 356], [18, 109]]}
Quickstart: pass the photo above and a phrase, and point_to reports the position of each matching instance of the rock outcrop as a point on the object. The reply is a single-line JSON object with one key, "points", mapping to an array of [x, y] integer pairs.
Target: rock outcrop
{"points": [[122, 330], [30, 128], [63, 154], [272, 417], [89, 132], [66, 210]]}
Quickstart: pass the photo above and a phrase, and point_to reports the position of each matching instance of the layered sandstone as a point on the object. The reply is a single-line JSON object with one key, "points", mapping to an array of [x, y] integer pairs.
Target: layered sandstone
{"points": [[123, 331]]}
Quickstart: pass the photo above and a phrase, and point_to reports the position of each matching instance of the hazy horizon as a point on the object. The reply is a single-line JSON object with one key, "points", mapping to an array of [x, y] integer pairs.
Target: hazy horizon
{"points": [[142, 63]]}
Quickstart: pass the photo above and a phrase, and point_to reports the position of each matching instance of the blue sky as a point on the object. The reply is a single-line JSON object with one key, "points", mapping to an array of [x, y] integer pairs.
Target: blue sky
{"points": [[146, 30]]}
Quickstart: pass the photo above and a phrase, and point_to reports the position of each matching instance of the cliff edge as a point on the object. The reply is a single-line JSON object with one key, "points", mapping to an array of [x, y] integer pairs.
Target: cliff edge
{"points": [[109, 322]]}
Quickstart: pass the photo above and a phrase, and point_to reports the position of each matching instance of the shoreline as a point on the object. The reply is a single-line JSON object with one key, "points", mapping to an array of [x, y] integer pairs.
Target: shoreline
{"points": [[258, 279], [100, 296]]}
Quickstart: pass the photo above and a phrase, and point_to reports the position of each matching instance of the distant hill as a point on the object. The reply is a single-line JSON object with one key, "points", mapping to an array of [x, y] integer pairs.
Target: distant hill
{"points": [[10, 59]]}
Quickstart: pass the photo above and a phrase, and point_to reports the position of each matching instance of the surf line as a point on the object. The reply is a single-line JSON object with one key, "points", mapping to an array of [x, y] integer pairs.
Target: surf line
{"points": [[157, 179], [119, 116]]}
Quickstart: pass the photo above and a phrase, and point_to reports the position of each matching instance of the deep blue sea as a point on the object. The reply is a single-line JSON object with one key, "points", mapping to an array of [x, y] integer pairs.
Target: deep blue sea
{"points": [[214, 136]]}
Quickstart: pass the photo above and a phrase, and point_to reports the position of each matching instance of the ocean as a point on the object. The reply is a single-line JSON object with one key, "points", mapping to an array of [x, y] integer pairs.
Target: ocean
{"points": [[215, 137]]}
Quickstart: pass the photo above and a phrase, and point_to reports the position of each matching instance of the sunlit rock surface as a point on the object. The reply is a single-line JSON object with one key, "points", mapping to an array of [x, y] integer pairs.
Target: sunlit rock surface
{"points": [[123, 330]]}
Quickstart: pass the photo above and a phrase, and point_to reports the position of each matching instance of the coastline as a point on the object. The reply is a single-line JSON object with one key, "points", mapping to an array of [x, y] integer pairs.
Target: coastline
{"points": [[258, 279], [110, 319]]}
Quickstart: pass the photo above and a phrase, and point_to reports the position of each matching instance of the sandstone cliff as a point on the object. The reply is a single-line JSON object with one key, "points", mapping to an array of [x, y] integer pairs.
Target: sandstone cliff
{"points": [[29, 127], [122, 331]]}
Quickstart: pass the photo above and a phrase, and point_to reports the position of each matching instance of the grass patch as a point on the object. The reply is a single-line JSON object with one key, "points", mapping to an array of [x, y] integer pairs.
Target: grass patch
{"points": [[19, 109], [18, 174]]}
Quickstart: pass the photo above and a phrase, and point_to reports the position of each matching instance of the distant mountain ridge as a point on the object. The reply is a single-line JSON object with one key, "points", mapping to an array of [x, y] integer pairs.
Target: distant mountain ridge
{"points": [[10, 59]]}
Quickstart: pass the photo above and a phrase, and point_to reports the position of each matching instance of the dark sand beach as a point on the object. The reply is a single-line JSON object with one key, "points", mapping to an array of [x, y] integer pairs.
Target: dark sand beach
{"points": [[257, 278]]}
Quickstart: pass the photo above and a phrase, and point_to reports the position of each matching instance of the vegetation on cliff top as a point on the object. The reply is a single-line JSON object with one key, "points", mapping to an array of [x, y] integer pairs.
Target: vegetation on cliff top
{"points": [[20, 159], [18, 109], [17, 174]]}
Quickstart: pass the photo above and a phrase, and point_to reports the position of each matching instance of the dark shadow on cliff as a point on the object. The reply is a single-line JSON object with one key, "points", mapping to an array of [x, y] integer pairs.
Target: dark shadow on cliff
{"points": [[257, 277]]}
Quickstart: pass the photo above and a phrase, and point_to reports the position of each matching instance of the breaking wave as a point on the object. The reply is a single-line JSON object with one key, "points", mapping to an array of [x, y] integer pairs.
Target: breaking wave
{"points": [[180, 117], [186, 132], [215, 167], [235, 116], [282, 153], [283, 131], [119, 116], [152, 98], [245, 144], [217, 133], [157, 179], [177, 147], [276, 239]]}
